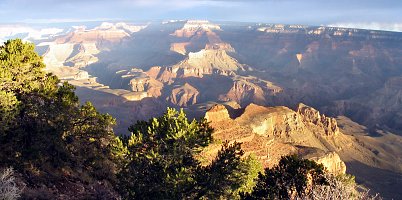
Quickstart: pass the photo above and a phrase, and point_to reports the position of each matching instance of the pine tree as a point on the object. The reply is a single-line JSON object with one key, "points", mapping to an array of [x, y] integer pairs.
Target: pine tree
{"points": [[292, 177], [163, 165], [43, 127]]}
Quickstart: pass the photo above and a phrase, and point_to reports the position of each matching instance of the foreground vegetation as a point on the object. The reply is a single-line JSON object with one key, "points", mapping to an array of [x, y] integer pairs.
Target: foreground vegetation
{"points": [[61, 149]]}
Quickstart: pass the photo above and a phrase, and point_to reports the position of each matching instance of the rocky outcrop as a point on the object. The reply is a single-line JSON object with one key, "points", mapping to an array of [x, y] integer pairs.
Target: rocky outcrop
{"points": [[245, 92], [79, 48], [193, 26], [204, 62], [86, 55], [141, 82], [184, 95], [272, 132], [217, 113], [313, 116], [278, 121], [81, 75], [146, 84], [179, 47], [207, 62], [96, 35], [162, 74], [249, 89], [331, 161]]}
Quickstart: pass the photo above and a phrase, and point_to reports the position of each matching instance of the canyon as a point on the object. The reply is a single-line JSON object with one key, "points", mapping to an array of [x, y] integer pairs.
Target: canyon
{"points": [[330, 94]]}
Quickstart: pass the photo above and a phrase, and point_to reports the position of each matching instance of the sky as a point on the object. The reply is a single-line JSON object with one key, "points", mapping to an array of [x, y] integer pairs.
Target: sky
{"points": [[371, 14]]}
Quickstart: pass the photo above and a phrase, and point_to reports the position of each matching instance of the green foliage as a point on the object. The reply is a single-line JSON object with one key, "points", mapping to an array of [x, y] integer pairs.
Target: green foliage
{"points": [[163, 165], [161, 154], [292, 177], [21, 68], [42, 123], [251, 167], [20, 73], [227, 175]]}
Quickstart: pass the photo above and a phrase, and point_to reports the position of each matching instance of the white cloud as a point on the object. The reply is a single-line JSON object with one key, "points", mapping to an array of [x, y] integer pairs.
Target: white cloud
{"points": [[372, 25], [10, 31]]}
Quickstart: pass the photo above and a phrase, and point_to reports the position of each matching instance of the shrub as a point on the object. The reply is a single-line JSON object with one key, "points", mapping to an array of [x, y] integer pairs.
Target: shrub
{"points": [[8, 186]]}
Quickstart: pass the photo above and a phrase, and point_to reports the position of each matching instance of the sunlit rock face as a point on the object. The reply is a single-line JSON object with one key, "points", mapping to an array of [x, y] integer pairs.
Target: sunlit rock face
{"points": [[217, 113], [208, 62], [80, 46], [311, 115], [331, 161], [192, 27], [271, 132]]}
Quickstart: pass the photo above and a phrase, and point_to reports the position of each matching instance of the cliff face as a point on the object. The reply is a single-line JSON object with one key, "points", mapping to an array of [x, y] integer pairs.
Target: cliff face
{"points": [[192, 27], [331, 161], [80, 47], [184, 95], [272, 132], [312, 116], [217, 113], [245, 90], [280, 122]]}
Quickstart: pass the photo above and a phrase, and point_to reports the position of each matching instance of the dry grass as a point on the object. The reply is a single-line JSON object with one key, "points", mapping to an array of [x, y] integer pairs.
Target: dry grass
{"points": [[8, 187]]}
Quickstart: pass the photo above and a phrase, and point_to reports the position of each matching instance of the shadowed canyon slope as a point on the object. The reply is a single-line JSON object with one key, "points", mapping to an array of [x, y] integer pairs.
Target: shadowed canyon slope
{"points": [[351, 78]]}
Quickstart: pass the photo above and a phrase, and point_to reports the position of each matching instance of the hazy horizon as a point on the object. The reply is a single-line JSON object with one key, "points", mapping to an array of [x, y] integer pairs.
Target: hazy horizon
{"points": [[371, 14]]}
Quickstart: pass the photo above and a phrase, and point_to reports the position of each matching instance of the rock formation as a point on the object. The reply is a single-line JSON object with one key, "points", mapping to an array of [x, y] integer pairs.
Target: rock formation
{"points": [[184, 95], [79, 48], [331, 161], [81, 75], [207, 62], [249, 89], [313, 116], [299, 57], [217, 113], [271, 132], [193, 26]]}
